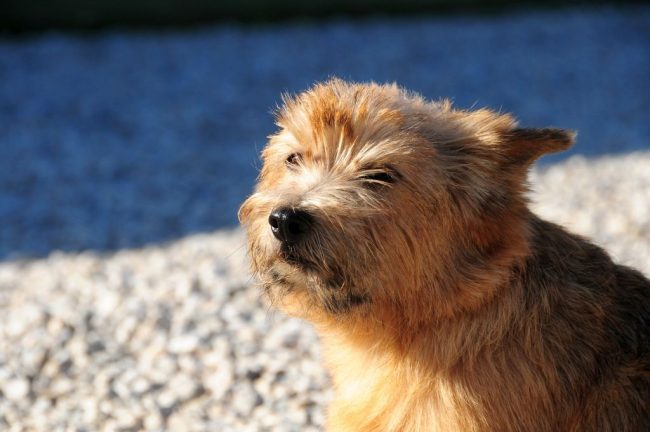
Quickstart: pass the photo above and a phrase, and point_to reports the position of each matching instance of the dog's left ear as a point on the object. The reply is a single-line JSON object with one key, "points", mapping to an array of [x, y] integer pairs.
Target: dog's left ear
{"points": [[521, 147]]}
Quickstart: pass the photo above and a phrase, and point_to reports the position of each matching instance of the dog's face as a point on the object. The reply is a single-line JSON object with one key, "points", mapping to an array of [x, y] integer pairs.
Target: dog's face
{"points": [[370, 195]]}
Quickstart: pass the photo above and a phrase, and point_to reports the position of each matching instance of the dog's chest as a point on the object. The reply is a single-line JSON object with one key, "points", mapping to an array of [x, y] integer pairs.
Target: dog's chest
{"points": [[377, 392]]}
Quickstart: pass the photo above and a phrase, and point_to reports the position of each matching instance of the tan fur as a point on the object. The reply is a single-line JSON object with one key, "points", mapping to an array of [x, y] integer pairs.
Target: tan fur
{"points": [[443, 303]]}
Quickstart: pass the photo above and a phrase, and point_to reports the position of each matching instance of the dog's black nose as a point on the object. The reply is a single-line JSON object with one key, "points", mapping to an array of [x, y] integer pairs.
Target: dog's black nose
{"points": [[289, 225]]}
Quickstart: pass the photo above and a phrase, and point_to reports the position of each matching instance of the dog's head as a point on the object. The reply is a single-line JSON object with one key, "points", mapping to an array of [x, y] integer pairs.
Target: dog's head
{"points": [[369, 195]]}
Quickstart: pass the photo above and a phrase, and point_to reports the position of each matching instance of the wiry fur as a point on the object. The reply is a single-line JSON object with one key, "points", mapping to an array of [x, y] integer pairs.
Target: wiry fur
{"points": [[443, 303]]}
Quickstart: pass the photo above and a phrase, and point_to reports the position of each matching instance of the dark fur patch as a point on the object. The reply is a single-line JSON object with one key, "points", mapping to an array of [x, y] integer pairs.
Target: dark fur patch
{"points": [[339, 303]]}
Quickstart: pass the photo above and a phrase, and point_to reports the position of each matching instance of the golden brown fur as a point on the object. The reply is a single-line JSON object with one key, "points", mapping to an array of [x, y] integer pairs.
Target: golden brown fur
{"points": [[443, 303]]}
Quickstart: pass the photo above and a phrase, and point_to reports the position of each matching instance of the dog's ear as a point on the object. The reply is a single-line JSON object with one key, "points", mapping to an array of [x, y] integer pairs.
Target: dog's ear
{"points": [[521, 147]]}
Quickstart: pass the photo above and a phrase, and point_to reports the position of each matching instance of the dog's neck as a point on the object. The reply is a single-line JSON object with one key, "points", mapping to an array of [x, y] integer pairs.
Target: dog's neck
{"points": [[384, 364], [456, 305]]}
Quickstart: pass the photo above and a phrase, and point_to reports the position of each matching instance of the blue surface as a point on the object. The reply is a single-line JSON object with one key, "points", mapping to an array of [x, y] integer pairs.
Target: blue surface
{"points": [[122, 139]]}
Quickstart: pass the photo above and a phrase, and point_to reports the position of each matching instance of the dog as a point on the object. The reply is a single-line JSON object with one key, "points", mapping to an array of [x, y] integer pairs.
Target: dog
{"points": [[400, 229]]}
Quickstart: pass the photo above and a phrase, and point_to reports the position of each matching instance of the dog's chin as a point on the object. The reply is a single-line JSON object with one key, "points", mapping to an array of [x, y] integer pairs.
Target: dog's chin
{"points": [[299, 278], [293, 272], [297, 261], [288, 286], [284, 274]]}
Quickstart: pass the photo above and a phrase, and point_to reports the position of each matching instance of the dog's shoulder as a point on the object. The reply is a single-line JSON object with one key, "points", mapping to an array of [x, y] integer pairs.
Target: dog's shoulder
{"points": [[582, 287]]}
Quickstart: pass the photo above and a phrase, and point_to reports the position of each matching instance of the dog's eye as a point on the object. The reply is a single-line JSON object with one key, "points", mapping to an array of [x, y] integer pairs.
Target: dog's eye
{"points": [[293, 159], [382, 177], [379, 177]]}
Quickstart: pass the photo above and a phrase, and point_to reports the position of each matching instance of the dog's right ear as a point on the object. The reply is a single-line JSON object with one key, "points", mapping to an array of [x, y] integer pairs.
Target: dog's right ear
{"points": [[521, 147]]}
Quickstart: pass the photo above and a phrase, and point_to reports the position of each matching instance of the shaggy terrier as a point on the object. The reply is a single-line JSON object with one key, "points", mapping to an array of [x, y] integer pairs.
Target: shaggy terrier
{"points": [[399, 228]]}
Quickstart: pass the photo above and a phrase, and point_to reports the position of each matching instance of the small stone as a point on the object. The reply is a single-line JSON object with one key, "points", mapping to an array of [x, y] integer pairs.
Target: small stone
{"points": [[218, 382], [22, 319], [167, 402], [153, 421], [245, 398], [183, 344], [140, 386], [16, 389], [61, 386], [184, 387]]}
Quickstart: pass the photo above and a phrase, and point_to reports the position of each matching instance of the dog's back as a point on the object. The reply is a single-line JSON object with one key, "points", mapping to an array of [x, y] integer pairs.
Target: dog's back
{"points": [[594, 318]]}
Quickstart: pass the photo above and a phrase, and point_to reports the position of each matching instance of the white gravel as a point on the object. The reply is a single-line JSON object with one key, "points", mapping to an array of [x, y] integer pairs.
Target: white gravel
{"points": [[176, 337], [171, 337]]}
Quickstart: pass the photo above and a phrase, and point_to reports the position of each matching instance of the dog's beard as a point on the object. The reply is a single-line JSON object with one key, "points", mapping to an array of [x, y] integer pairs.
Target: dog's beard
{"points": [[324, 277]]}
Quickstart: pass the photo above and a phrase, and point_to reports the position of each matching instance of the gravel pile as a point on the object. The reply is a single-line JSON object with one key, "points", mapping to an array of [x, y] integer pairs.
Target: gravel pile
{"points": [[172, 337], [177, 338]]}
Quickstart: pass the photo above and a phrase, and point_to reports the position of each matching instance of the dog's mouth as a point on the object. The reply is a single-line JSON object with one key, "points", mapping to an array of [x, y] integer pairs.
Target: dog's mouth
{"points": [[327, 285], [332, 276], [290, 255]]}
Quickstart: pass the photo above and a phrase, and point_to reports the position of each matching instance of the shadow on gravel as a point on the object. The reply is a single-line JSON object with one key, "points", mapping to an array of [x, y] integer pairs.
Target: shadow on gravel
{"points": [[118, 140]]}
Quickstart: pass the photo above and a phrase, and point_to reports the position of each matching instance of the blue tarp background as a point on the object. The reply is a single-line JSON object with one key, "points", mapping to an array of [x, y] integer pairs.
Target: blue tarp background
{"points": [[119, 139]]}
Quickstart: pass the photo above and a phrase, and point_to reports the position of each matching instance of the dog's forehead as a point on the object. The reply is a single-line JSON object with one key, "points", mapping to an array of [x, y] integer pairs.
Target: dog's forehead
{"points": [[341, 132], [333, 149]]}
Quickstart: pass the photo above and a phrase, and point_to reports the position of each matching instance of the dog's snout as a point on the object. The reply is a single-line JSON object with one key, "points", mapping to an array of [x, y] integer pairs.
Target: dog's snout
{"points": [[289, 225]]}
